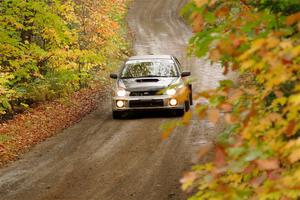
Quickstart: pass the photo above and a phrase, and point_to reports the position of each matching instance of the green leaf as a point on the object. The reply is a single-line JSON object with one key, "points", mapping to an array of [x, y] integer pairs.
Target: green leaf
{"points": [[226, 83], [237, 151], [252, 154], [210, 17], [6, 104]]}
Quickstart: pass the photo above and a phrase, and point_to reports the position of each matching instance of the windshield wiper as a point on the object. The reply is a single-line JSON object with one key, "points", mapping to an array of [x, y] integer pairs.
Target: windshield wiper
{"points": [[154, 76], [146, 76], [149, 76], [127, 77]]}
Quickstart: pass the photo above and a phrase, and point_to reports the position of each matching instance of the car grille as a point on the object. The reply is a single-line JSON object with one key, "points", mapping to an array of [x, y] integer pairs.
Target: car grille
{"points": [[146, 103], [144, 93]]}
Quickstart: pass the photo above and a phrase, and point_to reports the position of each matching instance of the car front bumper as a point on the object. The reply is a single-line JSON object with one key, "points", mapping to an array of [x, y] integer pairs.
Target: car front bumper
{"points": [[157, 102]]}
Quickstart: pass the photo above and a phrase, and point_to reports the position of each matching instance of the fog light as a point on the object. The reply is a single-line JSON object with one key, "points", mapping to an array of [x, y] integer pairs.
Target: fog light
{"points": [[173, 102], [120, 104]]}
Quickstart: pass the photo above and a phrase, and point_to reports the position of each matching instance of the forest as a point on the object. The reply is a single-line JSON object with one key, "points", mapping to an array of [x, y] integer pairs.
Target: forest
{"points": [[54, 59], [51, 48]]}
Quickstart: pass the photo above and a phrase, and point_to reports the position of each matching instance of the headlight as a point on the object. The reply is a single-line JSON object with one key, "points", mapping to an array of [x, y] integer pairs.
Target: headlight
{"points": [[120, 104], [121, 93], [173, 102], [171, 92]]}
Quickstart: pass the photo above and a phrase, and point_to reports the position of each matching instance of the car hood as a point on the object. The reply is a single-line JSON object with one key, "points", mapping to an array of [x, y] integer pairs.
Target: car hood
{"points": [[147, 84]]}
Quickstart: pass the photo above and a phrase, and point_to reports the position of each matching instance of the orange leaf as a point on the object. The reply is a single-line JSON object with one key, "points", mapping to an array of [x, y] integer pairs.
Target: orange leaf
{"points": [[268, 164], [226, 107], [236, 94], [182, 95], [231, 119], [222, 12], [197, 22], [215, 55], [167, 133], [226, 47], [213, 115], [292, 19], [220, 157], [226, 69], [291, 128]]}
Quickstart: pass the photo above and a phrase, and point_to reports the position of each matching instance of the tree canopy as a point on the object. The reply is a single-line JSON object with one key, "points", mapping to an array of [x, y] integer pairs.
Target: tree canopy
{"points": [[49, 48]]}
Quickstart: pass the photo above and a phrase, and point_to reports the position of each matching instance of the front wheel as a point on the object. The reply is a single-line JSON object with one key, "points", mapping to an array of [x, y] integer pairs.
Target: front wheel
{"points": [[181, 112], [191, 94], [187, 105]]}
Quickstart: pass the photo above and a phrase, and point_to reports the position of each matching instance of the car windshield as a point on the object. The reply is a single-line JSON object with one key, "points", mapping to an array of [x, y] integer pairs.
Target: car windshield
{"points": [[149, 68]]}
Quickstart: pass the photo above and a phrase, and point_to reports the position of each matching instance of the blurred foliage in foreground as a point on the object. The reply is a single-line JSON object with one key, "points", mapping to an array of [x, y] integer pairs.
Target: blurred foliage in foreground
{"points": [[49, 49], [257, 155]]}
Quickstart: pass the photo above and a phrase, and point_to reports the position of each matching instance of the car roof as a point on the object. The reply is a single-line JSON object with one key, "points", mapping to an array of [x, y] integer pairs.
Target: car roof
{"points": [[150, 57]]}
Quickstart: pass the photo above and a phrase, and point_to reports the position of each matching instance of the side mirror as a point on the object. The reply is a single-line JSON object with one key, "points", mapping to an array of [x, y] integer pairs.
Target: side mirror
{"points": [[113, 76], [184, 74]]}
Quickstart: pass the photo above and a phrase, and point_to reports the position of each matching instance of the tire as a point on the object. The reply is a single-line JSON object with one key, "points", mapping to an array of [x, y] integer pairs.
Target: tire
{"points": [[191, 94], [187, 106], [117, 114], [181, 112]]}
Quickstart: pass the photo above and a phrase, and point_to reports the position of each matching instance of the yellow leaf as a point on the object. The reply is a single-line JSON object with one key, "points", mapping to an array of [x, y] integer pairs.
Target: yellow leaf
{"points": [[294, 156], [212, 3], [295, 99], [272, 42], [247, 64], [287, 44], [200, 3], [257, 44], [187, 117], [188, 179], [296, 51]]}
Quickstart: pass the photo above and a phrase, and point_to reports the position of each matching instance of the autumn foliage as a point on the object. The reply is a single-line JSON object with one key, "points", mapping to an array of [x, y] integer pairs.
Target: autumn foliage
{"points": [[50, 49], [53, 59], [257, 155]]}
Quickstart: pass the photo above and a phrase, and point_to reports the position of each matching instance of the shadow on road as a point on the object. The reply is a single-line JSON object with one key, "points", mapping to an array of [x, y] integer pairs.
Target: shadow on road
{"points": [[149, 114]]}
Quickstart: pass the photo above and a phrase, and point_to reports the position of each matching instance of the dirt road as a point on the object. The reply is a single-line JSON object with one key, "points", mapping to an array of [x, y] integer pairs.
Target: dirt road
{"points": [[105, 159]]}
